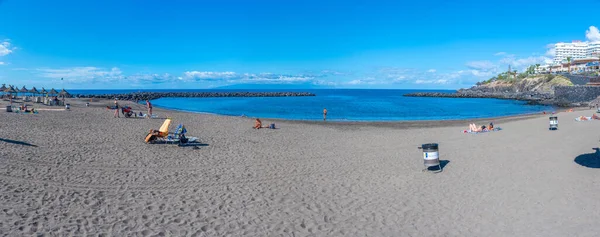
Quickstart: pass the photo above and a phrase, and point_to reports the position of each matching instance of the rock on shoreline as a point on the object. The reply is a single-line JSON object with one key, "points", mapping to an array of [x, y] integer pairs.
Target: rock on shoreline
{"points": [[526, 96], [136, 96]]}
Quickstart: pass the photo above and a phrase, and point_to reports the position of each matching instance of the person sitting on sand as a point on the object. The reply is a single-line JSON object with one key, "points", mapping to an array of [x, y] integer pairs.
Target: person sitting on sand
{"points": [[491, 127], [595, 116]]}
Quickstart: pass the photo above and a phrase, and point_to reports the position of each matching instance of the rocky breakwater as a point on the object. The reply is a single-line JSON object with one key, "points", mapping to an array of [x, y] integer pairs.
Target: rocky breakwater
{"points": [[137, 96], [534, 90], [530, 96]]}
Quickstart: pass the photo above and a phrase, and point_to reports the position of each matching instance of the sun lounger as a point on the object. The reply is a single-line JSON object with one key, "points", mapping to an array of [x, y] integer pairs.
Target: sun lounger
{"points": [[162, 133], [179, 136]]}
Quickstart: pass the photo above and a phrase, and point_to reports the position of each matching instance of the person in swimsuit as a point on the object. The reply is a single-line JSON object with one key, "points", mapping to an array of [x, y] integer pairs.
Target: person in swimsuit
{"points": [[116, 109], [324, 114], [258, 124], [149, 106]]}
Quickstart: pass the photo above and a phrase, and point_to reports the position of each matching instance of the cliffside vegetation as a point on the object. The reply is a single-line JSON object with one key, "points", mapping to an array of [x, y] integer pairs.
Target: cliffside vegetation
{"points": [[526, 79]]}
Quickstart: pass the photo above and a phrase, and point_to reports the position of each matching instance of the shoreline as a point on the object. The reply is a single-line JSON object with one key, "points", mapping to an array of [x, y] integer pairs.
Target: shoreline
{"points": [[387, 124]]}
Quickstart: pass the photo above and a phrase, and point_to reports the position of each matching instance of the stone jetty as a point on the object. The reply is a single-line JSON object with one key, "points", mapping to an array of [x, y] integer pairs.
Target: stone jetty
{"points": [[527, 96], [136, 96]]}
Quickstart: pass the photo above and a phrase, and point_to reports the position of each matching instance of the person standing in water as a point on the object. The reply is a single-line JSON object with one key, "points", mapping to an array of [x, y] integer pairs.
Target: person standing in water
{"points": [[324, 114], [149, 106]]}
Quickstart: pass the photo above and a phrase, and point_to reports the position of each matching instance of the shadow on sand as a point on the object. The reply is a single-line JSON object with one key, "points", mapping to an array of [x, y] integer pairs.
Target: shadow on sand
{"points": [[590, 160], [17, 142], [436, 169], [194, 145]]}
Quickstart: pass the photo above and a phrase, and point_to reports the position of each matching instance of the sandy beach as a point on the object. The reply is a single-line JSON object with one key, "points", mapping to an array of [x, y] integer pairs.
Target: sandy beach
{"points": [[82, 172]]}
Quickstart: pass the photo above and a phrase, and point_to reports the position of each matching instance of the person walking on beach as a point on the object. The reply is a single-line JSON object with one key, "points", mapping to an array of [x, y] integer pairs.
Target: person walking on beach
{"points": [[149, 106], [116, 109], [324, 114]]}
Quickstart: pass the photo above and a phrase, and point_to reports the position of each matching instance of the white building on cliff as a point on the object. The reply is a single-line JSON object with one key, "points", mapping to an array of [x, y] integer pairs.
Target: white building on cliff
{"points": [[576, 50]]}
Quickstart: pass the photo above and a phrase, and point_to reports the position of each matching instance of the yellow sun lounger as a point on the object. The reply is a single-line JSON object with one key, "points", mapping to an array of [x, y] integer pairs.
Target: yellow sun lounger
{"points": [[162, 133]]}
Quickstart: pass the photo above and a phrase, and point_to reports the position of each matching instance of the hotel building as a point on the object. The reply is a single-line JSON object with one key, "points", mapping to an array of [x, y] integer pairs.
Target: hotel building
{"points": [[576, 50]]}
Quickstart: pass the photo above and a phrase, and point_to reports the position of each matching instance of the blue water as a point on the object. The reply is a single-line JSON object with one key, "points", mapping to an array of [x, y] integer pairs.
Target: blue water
{"points": [[347, 105]]}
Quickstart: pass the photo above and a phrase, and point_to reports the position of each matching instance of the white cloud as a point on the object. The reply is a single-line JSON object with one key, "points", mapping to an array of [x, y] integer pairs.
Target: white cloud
{"points": [[500, 53], [551, 52], [481, 65], [102, 75], [439, 81], [592, 34], [233, 77], [152, 78], [431, 70], [525, 62], [5, 48], [82, 74], [2, 63], [209, 75], [364, 81]]}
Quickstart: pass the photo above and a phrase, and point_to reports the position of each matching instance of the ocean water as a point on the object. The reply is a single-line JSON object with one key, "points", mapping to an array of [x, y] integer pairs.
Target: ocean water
{"points": [[348, 105]]}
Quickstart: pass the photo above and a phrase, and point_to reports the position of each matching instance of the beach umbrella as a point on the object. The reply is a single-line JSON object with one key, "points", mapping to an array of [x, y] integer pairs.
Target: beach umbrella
{"points": [[43, 91], [23, 90], [34, 91], [12, 90], [53, 92], [64, 93]]}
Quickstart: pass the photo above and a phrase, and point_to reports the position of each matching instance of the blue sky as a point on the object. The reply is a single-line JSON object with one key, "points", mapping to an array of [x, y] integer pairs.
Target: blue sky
{"points": [[344, 44]]}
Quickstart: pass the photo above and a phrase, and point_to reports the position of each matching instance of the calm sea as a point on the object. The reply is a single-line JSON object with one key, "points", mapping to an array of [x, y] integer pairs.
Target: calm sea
{"points": [[344, 105]]}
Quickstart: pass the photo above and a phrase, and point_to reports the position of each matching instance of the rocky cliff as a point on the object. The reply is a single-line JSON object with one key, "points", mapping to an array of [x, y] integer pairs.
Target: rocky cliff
{"points": [[535, 89]]}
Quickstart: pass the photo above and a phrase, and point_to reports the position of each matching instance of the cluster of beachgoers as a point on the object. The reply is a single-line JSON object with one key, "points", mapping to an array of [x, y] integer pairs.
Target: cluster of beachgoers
{"points": [[77, 171]]}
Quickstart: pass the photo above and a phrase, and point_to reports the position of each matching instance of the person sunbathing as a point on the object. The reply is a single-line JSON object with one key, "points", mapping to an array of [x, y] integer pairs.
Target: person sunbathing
{"points": [[583, 118], [491, 127], [155, 132], [473, 128], [595, 116], [258, 124]]}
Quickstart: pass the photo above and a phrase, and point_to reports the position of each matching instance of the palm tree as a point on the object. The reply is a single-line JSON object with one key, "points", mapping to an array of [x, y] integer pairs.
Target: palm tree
{"points": [[569, 62]]}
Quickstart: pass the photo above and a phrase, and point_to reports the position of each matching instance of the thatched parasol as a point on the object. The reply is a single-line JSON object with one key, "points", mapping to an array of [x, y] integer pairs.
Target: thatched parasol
{"points": [[64, 93], [34, 91], [3, 88], [24, 90], [11, 90], [53, 92], [44, 91]]}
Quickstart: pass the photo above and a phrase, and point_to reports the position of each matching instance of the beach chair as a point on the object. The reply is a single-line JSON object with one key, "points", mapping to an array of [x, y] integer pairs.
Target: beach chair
{"points": [[162, 134], [179, 136], [176, 136]]}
